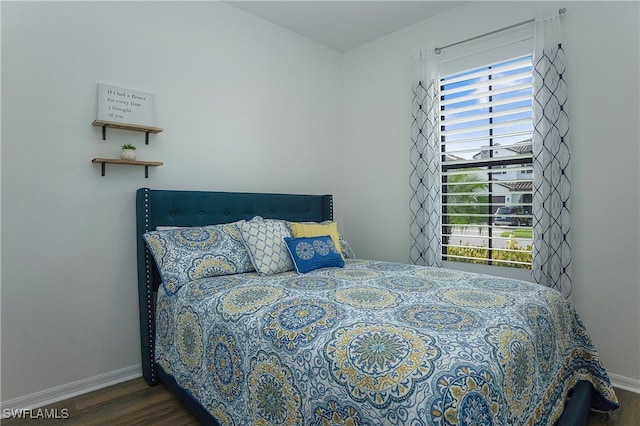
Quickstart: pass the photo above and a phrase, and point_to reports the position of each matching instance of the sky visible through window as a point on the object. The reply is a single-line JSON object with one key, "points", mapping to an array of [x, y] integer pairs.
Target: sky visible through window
{"points": [[473, 95]]}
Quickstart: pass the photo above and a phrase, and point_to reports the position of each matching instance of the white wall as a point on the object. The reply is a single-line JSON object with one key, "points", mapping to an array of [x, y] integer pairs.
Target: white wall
{"points": [[245, 106], [602, 48]]}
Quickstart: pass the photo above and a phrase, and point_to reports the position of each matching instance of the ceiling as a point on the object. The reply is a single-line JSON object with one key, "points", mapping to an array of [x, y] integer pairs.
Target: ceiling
{"points": [[344, 25]]}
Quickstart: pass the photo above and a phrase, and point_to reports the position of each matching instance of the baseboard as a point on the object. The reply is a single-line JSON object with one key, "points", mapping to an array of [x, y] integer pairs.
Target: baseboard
{"points": [[69, 390], [626, 383]]}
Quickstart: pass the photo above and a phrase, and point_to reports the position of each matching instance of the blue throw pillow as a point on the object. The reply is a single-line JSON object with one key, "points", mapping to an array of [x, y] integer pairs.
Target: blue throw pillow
{"points": [[310, 253]]}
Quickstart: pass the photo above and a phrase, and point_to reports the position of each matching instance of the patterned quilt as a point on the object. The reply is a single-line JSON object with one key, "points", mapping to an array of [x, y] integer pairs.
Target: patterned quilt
{"points": [[375, 343]]}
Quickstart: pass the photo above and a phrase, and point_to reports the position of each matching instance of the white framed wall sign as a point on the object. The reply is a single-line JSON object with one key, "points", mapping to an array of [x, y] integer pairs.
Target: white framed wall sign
{"points": [[126, 106]]}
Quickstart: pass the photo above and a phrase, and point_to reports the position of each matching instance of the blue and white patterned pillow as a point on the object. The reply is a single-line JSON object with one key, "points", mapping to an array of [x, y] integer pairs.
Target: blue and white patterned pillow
{"points": [[310, 253], [190, 253], [264, 240], [347, 251]]}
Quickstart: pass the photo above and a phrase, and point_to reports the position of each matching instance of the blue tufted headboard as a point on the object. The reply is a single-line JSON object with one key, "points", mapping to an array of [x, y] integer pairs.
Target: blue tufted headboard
{"points": [[196, 208]]}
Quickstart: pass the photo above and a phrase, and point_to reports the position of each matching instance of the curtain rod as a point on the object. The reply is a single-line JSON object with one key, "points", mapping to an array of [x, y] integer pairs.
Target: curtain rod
{"points": [[438, 50]]}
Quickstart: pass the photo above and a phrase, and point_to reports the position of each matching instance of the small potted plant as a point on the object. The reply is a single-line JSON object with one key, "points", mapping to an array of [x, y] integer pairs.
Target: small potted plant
{"points": [[128, 152]]}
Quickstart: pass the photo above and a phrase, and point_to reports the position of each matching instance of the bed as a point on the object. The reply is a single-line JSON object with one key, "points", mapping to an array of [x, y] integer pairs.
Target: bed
{"points": [[355, 341]]}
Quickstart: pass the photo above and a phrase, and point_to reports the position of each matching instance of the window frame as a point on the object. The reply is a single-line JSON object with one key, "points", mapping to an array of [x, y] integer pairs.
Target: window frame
{"points": [[488, 166]]}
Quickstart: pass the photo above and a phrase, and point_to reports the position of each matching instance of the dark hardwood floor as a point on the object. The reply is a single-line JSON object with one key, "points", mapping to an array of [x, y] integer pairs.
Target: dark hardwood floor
{"points": [[135, 403]]}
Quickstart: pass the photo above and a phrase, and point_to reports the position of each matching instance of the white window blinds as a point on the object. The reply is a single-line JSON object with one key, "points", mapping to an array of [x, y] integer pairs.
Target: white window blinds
{"points": [[486, 159]]}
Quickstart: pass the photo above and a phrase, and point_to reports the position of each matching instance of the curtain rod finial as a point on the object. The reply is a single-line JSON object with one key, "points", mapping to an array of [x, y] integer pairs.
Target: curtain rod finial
{"points": [[562, 10], [437, 50]]}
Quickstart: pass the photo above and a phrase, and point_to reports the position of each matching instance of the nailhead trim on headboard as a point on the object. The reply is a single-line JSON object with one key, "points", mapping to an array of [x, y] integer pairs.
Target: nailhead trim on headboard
{"points": [[149, 289]]}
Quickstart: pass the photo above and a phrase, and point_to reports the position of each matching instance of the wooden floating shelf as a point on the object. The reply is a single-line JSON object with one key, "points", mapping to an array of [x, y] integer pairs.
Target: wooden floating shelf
{"points": [[124, 126], [146, 164]]}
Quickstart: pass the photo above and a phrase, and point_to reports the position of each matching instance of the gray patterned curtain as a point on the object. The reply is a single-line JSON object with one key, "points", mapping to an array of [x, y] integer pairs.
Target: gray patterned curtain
{"points": [[551, 184], [426, 246]]}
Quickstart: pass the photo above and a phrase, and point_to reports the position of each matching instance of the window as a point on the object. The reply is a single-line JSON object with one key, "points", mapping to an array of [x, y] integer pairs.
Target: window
{"points": [[487, 164]]}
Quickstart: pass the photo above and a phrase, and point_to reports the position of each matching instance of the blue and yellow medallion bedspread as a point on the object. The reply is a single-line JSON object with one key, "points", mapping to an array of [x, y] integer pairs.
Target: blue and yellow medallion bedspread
{"points": [[375, 343]]}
